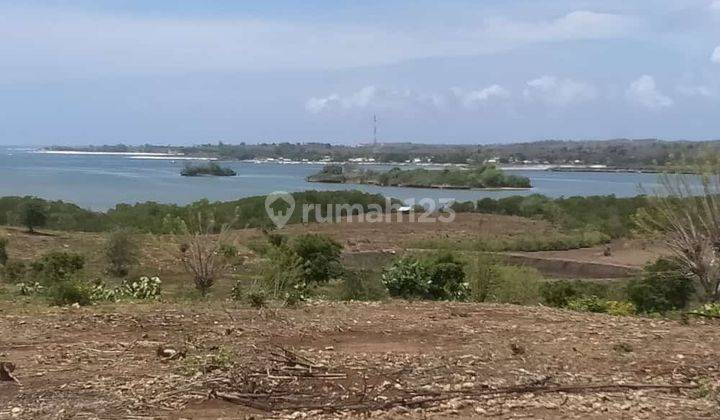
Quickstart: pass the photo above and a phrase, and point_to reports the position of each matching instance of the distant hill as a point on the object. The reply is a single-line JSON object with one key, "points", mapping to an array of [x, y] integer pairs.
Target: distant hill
{"points": [[623, 153]]}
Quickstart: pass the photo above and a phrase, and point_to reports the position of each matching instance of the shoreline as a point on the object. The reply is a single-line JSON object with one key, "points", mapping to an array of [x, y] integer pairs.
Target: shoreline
{"points": [[593, 168], [429, 187]]}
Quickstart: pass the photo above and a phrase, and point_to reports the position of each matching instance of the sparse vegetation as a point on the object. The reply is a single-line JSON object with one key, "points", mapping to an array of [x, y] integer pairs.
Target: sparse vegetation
{"points": [[552, 241], [121, 251], [688, 225], [362, 285], [608, 215], [200, 252]]}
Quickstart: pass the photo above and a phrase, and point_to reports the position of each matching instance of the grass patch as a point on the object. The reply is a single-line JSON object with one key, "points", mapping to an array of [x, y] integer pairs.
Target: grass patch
{"points": [[557, 241]]}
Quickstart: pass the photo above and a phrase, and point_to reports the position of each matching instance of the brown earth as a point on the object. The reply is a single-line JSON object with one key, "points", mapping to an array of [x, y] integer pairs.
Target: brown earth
{"points": [[420, 360]]}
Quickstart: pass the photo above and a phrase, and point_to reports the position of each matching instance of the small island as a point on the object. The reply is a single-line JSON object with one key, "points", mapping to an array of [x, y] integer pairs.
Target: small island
{"points": [[477, 177], [208, 169]]}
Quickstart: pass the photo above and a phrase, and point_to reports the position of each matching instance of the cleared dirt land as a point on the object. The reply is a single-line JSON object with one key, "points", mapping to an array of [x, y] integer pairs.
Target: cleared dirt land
{"points": [[437, 360]]}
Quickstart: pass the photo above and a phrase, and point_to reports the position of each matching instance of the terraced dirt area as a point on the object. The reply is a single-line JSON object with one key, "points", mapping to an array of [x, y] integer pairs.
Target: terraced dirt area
{"points": [[396, 359]]}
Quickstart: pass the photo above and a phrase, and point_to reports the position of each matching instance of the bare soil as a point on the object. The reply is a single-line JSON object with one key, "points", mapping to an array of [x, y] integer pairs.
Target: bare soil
{"points": [[420, 360]]}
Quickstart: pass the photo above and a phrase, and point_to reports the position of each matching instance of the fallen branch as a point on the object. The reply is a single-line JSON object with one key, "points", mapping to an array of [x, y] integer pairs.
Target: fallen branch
{"points": [[6, 372], [425, 399]]}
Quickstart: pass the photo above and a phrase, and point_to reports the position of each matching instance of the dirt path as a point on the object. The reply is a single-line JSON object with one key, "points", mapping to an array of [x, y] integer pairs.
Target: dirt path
{"points": [[104, 361]]}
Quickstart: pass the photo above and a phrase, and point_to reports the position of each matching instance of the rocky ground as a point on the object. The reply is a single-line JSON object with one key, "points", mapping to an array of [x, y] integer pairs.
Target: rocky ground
{"points": [[420, 360]]}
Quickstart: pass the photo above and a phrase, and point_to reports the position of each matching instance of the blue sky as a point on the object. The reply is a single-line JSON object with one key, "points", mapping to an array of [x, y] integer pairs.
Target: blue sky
{"points": [[93, 72]]}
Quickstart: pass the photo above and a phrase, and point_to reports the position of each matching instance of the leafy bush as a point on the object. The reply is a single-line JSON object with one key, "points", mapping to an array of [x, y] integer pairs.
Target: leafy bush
{"points": [[447, 278], [361, 285], [56, 267], [14, 271], [255, 296], [438, 278], [709, 309], [100, 292], [407, 278], [621, 308], [3, 251], [121, 252], [559, 293], [69, 292], [319, 257], [663, 287], [146, 288], [599, 305]]}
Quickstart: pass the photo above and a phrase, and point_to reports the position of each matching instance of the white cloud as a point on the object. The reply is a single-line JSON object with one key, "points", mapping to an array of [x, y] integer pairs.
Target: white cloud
{"points": [[48, 43], [697, 90], [715, 58], [559, 92], [473, 98], [643, 91], [374, 98], [715, 5]]}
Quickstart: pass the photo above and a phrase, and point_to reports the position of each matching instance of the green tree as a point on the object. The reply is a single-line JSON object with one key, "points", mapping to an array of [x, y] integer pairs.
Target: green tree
{"points": [[32, 215], [3, 251]]}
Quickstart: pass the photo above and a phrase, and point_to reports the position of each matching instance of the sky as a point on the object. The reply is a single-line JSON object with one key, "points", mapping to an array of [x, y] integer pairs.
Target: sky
{"points": [[457, 71]]}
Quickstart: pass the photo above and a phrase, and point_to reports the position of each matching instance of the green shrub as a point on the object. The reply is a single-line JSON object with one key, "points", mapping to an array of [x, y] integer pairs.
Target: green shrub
{"points": [[254, 295], [492, 282], [598, 305], [257, 298], [517, 285], [484, 278], [283, 270], [361, 285], [69, 292], [3, 251], [407, 278], [30, 289], [436, 278], [121, 252], [14, 271], [447, 278], [620, 308], [319, 257], [559, 293], [663, 287], [57, 266]]}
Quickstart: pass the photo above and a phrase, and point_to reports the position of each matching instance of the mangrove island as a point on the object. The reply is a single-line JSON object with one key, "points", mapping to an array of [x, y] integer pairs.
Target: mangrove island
{"points": [[208, 169], [477, 177]]}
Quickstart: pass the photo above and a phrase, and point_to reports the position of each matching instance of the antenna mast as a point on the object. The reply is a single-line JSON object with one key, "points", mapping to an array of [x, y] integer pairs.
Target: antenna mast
{"points": [[374, 130]]}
